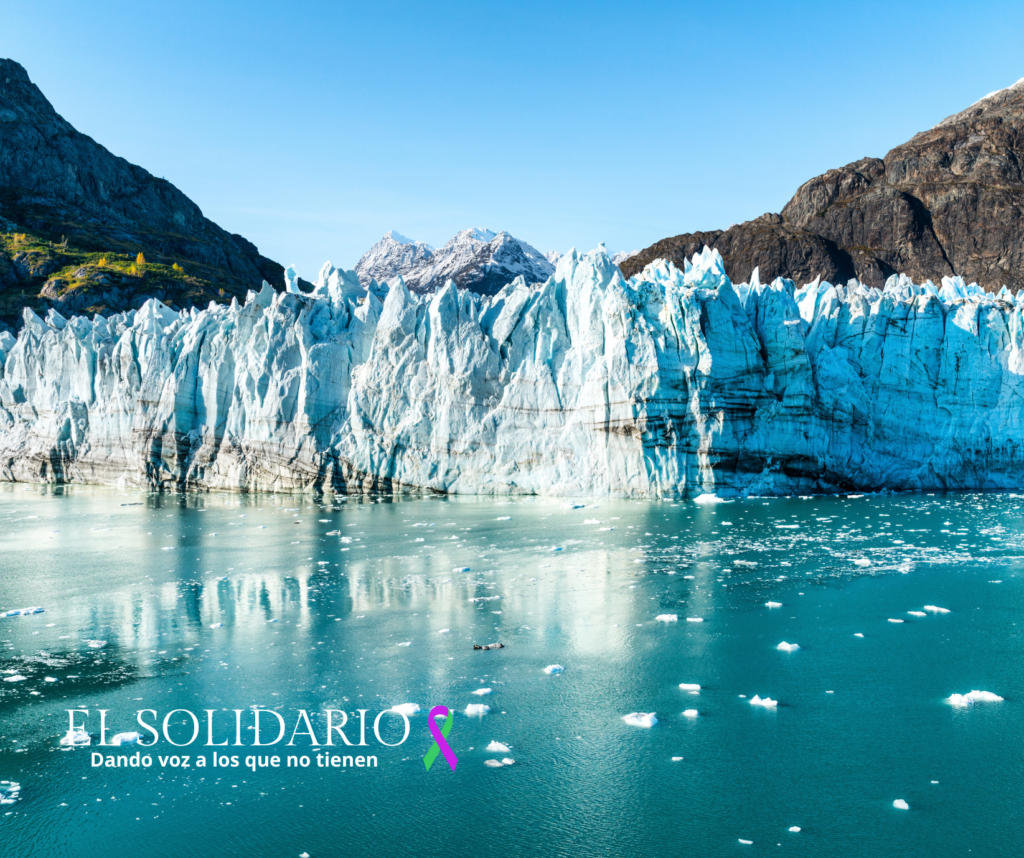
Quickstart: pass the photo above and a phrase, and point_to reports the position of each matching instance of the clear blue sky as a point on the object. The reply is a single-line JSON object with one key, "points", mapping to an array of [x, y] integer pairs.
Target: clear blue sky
{"points": [[314, 127]]}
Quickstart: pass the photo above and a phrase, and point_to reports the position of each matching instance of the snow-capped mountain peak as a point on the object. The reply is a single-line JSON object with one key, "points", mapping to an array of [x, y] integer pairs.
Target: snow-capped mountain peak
{"points": [[477, 259]]}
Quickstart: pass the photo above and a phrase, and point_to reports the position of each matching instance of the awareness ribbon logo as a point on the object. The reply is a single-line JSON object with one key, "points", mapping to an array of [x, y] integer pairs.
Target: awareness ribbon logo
{"points": [[440, 735]]}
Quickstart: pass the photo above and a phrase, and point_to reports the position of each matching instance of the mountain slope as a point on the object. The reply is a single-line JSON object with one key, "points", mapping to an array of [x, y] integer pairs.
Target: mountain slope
{"points": [[948, 201], [476, 259], [67, 204]]}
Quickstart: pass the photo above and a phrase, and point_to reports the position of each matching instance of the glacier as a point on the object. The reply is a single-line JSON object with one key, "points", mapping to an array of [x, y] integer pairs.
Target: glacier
{"points": [[675, 383]]}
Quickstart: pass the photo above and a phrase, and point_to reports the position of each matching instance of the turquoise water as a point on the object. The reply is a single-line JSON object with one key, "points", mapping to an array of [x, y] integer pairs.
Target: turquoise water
{"points": [[312, 601]]}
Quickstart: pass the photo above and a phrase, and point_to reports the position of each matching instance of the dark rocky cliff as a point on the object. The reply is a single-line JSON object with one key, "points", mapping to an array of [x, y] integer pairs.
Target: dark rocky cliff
{"points": [[74, 217], [948, 201]]}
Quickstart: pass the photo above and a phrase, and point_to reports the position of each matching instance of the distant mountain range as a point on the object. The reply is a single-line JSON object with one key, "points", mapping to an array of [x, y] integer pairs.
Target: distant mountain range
{"points": [[74, 219], [476, 259], [949, 201]]}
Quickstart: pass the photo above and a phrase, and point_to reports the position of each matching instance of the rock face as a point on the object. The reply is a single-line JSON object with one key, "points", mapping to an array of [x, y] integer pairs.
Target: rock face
{"points": [[475, 259], [675, 383], [58, 185], [948, 202]]}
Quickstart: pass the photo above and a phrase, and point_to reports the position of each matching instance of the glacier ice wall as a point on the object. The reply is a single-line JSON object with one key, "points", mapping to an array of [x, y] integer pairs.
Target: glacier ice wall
{"points": [[674, 383]]}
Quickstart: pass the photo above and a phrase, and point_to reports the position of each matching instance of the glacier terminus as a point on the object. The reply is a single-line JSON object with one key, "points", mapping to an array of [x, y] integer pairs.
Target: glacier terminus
{"points": [[674, 383]]}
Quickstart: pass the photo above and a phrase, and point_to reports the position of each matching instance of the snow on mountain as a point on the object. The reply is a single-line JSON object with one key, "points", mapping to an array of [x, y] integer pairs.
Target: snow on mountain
{"points": [[553, 256], [390, 256], [476, 259], [674, 383]]}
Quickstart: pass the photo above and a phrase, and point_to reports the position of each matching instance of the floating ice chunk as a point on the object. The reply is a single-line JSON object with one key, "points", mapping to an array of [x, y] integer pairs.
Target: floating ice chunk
{"points": [[443, 631], [676, 759], [706, 499], [900, 804], [773, 604], [404, 643], [493, 764], [21, 612], [49, 679], [858, 634], [16, 678], [640, 719], [477, 709], [131, 738], [862, 561], [407, 708], [504, 518], [497, 748], [217, 626], [557, 548], [553, 668], [507, 761], [891, 620], [76, 738], [460, 569], [972, 697], [667, 618], [935, 609], [917, 613], [766, 702], [480, 692], [690, 713], [689, 686], [795, 829], [592, 521], [695, 619], [746, 842], [10, 792], [788, 647], [96, 644]]}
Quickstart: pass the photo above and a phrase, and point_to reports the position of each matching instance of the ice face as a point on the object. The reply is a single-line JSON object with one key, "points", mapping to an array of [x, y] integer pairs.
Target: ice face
{"points": [[671, 384]]}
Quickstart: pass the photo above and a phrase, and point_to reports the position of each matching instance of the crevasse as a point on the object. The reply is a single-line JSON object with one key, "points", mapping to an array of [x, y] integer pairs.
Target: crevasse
{"points": [[673, 383]]}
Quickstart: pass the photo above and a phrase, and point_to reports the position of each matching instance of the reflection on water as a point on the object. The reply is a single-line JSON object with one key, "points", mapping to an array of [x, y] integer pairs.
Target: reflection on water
{"points": [[222, 602]]}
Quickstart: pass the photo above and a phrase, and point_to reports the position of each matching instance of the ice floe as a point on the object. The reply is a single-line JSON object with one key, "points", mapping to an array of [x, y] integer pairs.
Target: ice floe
{"points": [[795, 829], [917, 613], [477, 709], [480, 692], [709, 499], [640, 719], [553, 668], [497, 748], [76, 738], [773, 604], [407, 708], [766, 702], [21, 612], [788, 647], [130, 738], [935, 609], [15, 678], [972, 697], [689, 686], [690, 713], [667, 618], [695, 619], [862, 561], [900, 804]]}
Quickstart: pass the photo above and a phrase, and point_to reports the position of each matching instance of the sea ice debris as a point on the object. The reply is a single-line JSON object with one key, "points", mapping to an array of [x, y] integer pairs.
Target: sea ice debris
{"points": [[690, 713], [788, 647], [476, 709], [497, 748], [640, 719], [131, 738], [76, 738], [766, 702], [667, 618], [480, 692], [689, 686], [972, 697], [553, 668], [773, 604], [935, 609], [900, 804]]}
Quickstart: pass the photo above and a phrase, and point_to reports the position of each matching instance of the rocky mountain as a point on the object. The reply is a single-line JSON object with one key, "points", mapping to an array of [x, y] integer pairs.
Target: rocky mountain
{"points": [[476, 259], [74, 219], [950, 201]]}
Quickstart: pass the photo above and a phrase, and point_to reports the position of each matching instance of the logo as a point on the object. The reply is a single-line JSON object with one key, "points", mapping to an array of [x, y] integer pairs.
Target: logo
{"points": [[440, 735]]}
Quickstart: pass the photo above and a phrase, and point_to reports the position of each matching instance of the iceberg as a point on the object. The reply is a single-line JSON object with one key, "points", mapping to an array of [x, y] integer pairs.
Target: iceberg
{"points": [[477, 709], [917, 613], [766, 702], [553, 668], [900, 804], [10, 792], [131, 738], [690, 713], [773, 604], [673, 383], [21, 612], [407, 708], [972, 697], [640, 719], [788, 647], [480, 692], [935, 609], [497, 748], [795, 829], [75, 738], [689, 686], [667, 618]]}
